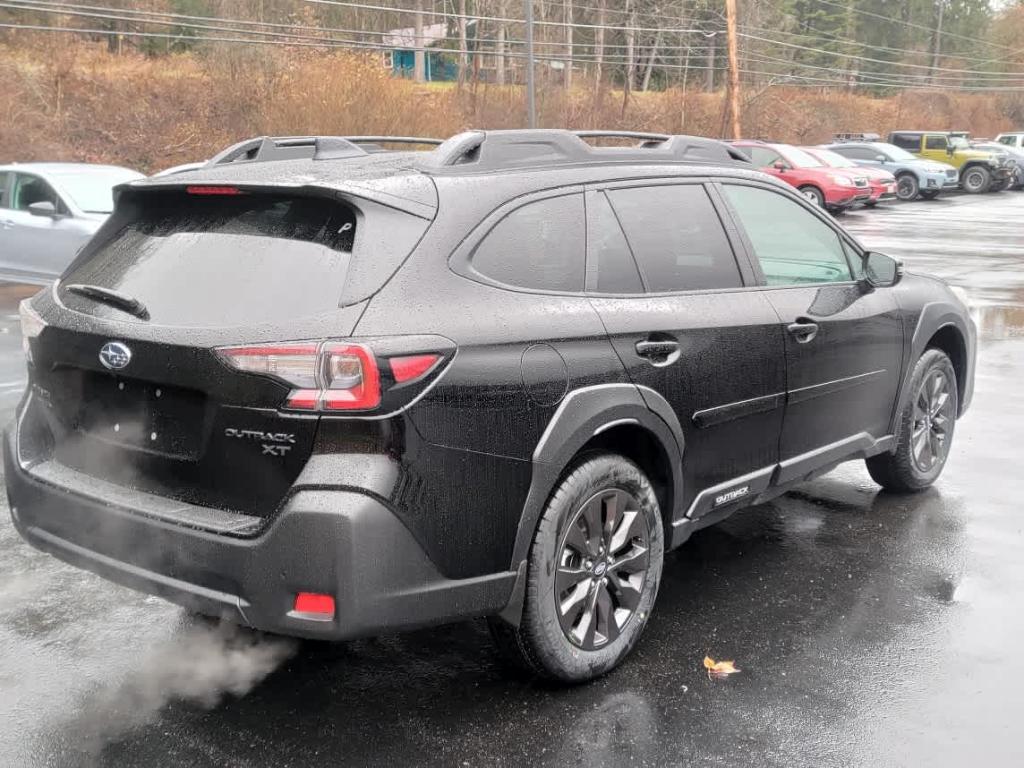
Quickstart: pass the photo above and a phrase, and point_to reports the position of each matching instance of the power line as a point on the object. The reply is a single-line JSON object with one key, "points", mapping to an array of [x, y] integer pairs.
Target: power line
{"points": [[354, 44]]}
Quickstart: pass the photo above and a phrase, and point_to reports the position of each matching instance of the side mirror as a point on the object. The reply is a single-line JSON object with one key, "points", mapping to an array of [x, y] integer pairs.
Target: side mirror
{"points": [[950, 150], [882, 271], [880, 159], [43, 208], [780, 166]]}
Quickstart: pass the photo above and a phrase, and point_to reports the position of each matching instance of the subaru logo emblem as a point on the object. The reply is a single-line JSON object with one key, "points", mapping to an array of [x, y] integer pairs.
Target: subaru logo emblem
{"points": [[115, 355]]}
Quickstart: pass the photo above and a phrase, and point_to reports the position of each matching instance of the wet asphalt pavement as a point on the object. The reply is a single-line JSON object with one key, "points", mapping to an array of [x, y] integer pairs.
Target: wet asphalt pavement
{"points": [[871, 630]]}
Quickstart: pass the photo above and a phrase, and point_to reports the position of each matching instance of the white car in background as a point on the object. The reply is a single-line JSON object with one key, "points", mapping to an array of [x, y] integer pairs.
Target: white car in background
{"points": [[48, 211]]}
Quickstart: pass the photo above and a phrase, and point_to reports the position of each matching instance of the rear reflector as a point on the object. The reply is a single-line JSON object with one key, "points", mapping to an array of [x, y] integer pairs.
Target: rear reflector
{"points": [[213, 190], [412, 367], [314, 604]]}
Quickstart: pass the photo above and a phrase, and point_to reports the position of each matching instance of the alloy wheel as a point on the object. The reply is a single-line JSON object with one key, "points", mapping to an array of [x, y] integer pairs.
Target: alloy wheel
{"points": [[933, 420], [602, 565], [906, 187], [974, 181]]}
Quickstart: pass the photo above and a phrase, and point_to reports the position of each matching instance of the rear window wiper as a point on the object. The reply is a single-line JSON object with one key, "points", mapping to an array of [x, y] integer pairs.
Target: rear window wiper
{"points": [[113, 298]]}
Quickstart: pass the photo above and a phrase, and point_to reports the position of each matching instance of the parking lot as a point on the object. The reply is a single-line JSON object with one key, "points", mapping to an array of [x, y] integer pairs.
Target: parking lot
{"points": [[871, 630]]}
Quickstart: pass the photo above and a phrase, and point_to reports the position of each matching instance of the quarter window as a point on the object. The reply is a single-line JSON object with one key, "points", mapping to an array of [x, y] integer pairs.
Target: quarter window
{"points": [[538, 246], [793, 246], [676, 238]]}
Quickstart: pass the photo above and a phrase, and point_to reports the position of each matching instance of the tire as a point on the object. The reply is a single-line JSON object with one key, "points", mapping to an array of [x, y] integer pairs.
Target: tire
{"points": [[907, 187], [999, 186], [930, 194], [924, 441], [813, 194], [976, 179], [870, 203], [564, 645]]}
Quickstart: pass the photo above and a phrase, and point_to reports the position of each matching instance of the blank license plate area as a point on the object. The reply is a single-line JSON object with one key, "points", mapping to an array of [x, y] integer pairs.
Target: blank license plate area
{"points": [[141, 415]]}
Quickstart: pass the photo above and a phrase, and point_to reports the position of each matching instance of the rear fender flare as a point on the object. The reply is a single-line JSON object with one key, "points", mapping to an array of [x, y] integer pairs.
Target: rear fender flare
{"points": [[584, 413]]}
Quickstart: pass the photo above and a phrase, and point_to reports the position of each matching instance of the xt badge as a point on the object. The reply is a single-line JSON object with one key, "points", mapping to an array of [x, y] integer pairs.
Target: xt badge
{"points": [[273, 443]]}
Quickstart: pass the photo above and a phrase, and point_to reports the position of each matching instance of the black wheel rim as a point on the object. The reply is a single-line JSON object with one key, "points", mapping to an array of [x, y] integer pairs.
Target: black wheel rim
{"points": [[933, 422], [603, 558], [906, 188]]}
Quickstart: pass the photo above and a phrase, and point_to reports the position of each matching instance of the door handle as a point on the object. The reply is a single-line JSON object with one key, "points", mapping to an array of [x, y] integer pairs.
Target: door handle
{"points": [[659, 351], [803, 330], [6, 223]]}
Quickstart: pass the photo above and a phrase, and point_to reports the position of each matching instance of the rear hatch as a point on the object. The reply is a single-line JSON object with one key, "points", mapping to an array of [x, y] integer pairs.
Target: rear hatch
{"points": [[127, 371]]}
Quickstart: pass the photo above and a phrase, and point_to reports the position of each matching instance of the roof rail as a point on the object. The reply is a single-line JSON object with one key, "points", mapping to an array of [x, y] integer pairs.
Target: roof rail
{"points": [[501, 150], [374, 141], [263, 148], [855, 137]]}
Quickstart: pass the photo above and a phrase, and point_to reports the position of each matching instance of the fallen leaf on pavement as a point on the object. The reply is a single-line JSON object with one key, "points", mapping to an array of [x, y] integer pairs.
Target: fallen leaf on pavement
{"points": [[718, 669]]}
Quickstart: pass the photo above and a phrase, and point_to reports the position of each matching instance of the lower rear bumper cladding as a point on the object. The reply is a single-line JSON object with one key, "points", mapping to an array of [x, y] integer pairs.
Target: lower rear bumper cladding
{"points": [[337, 542]]}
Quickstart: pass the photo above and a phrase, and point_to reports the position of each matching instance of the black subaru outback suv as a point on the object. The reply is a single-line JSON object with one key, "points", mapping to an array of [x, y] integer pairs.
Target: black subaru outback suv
{"points": [[329, 390]]}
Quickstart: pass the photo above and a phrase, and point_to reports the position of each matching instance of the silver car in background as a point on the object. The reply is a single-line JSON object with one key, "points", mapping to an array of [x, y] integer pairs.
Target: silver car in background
{"points": [[48, 211]]}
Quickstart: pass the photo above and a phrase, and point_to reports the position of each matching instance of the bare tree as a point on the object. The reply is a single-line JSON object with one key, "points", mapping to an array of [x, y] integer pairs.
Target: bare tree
{"points": [[599, 40], [650, 62]]}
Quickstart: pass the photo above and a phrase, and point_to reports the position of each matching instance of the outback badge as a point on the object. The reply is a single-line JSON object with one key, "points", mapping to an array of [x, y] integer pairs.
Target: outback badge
{"points": [[115, 355]]}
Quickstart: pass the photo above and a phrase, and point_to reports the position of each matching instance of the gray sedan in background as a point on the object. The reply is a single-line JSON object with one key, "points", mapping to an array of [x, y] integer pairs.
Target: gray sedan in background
{"points": [[49, 210]]}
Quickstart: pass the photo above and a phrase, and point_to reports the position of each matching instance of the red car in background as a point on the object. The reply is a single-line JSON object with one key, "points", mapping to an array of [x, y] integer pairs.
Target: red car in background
{"points": [[881, 182], [834, 189]]}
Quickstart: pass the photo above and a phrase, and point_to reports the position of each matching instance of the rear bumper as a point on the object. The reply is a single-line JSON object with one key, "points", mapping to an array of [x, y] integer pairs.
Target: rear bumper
{"points": [[338, 542]]}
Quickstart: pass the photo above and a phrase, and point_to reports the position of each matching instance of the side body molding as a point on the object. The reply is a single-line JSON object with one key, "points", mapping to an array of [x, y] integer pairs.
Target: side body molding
{"points": [[583, 413]]}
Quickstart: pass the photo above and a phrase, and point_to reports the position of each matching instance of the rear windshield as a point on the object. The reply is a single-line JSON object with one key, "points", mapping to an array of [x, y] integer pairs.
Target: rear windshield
{"points": [[225, 259]]}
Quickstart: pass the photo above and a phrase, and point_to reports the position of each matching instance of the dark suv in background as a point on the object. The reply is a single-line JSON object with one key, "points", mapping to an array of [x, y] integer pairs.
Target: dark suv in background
{"points": [[331, 391]]}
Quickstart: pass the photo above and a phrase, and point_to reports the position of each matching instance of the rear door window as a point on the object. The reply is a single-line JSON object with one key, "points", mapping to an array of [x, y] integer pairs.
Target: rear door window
{"points": [[676, 237], [935, 142], [793, 246], [612, 266], [5, 178], [538, 246]]}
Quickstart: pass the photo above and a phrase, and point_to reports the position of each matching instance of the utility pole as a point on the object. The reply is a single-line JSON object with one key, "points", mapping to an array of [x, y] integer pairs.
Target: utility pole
{"points": [[734, 68], [937, 50], [419, 64], [709, 70], [463, 44], [531, 105]]}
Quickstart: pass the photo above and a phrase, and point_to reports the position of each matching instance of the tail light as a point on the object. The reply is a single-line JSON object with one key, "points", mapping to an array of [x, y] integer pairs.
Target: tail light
{"points": [[330, 375]]}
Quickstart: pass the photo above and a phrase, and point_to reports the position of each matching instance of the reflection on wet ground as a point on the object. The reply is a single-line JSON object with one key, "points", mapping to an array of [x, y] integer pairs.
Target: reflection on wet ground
{"points": [[871, 630]]}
